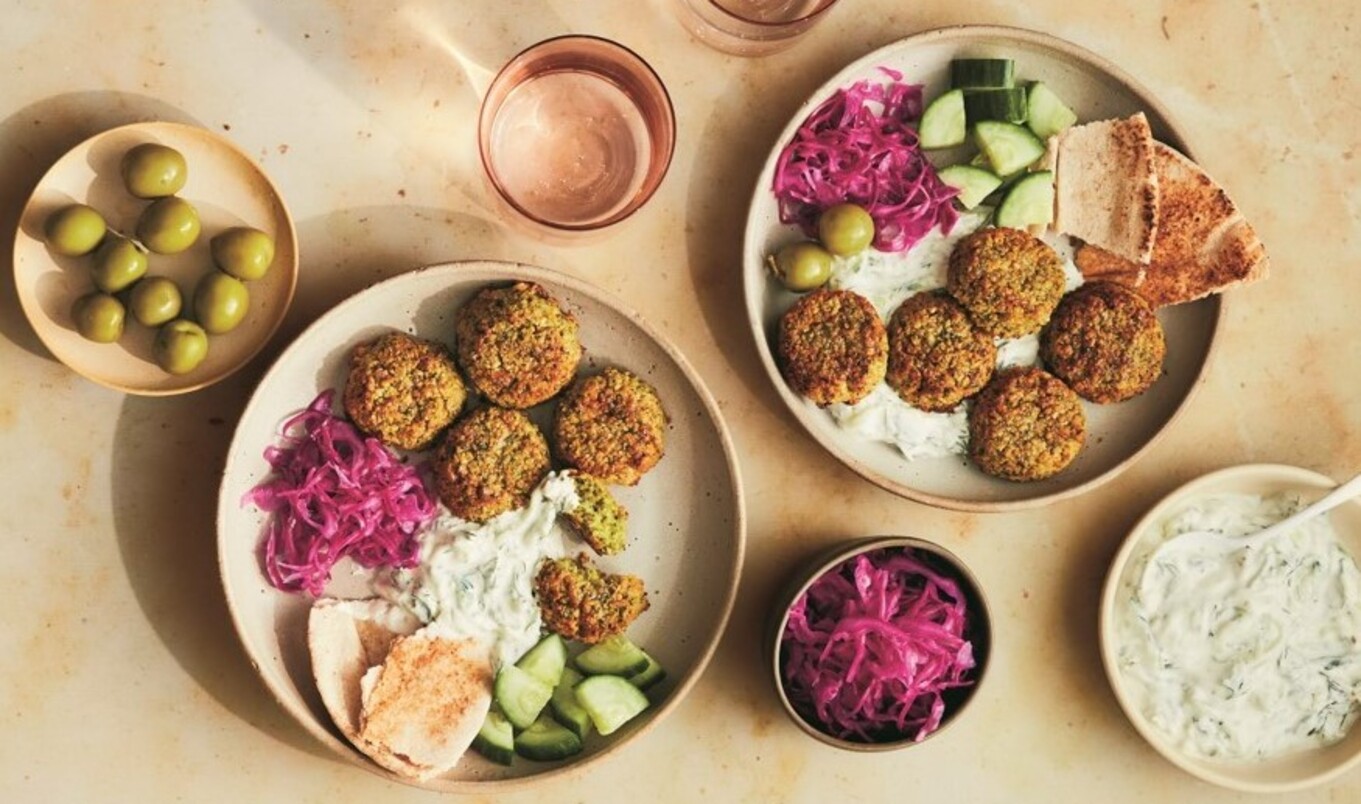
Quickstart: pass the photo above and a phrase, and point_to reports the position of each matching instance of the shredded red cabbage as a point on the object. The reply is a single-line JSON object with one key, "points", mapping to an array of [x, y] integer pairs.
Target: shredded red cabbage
{"points": [[869, 649], [336, 493], [859, 146]]}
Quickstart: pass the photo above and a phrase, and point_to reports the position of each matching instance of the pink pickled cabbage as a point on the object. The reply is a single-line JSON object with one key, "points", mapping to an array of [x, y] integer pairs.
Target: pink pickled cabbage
{"points": [[860, 147], [873, 644], [336, 493]]}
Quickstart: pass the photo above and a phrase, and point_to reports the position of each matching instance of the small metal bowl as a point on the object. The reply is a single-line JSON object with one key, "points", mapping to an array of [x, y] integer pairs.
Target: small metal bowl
{"points": [[979, 632]]}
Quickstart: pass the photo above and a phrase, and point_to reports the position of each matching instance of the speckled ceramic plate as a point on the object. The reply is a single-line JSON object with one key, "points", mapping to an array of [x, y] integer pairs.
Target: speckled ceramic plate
{"points": [[685, 517], [224, 185], [1294, 772], [1116, 434]]}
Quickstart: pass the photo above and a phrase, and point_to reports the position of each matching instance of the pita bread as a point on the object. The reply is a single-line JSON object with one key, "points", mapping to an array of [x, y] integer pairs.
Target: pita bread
{"points": [[1204, 244], [1105, 187]]}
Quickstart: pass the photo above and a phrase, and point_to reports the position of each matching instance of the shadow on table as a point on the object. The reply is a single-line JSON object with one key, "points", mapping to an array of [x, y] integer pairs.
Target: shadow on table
{"points": [[31, 140], [168, 453]]}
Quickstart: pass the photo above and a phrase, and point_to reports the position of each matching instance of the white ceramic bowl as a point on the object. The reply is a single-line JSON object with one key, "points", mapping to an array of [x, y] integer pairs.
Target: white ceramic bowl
{"points": [[1271, 776]]}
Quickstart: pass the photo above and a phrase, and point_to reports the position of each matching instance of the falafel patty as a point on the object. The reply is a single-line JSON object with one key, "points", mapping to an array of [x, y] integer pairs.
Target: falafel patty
{"points": [[1008, 280], [403, 390], [610, 425], [489, 462], [1105, 342], [518, 346], [1025, 425], [833, 347], [598, 519], [936, 356], [578, 601]]}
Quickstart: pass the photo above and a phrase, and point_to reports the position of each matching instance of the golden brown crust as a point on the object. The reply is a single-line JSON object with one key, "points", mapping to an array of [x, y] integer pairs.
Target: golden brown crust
{"points": [[1025, 425], [833, 347], [1105, 342], [489, 462], [578, 601], [598, 518], [517, 344], [936, 356], [402, 390], [1008, 280], [611, 425]]}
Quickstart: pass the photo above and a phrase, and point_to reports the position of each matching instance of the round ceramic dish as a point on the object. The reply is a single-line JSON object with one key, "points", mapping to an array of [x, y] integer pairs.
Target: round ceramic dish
{"points": [[1116, 434], [686, 516], [980, 630], [224, 185], [1274, 776]]}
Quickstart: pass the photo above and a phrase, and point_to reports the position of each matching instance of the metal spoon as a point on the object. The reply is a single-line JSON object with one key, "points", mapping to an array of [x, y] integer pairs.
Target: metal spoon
{"points": [[1331, 500]]}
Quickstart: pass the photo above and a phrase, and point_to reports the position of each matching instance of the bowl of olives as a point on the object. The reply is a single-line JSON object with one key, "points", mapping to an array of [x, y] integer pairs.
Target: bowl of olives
{"points": [[155, 258]]}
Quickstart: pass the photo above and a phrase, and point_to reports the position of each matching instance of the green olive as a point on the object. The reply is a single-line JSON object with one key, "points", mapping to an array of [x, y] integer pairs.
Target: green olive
{"points": [[802, 266], [220, 302], [99, 317], [845, 229], [168, 226], [118, 263], [75, 230], [154, 171], [154, 301], [243, 252], [180, 346]]}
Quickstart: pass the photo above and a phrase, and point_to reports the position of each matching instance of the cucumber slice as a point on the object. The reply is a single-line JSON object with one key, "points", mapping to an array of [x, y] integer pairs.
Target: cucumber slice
{"points": [[648, 676], [1046, 114], [1030, 202], [496, 739], [566, 708], [615, 655], [942, 124], [974, 183], [546, 741], [1010, 148], [982, 73], [611, 701], [995, 104], [520, 695], [545, 660]]}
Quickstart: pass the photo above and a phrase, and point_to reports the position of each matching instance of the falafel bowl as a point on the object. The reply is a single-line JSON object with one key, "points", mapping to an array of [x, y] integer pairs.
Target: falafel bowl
{"points": [[595, 575]]}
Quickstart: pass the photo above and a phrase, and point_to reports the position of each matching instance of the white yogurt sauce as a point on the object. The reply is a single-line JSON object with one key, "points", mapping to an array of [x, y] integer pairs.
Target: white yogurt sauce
{"points": [[477, 580], [1237, 652], [887, 280]]}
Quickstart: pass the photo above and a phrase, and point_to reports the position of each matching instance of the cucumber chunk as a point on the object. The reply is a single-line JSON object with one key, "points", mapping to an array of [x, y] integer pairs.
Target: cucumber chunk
{"points": [[545, 660], [520, 695], [615, 655], [648, 676], [611, 701], [974, 183], [546, 741], [943, 122], [1010, 148], [982, 73], [566, 708], [1030, 202], [496, 739], [995, 104], [1046, 114]]}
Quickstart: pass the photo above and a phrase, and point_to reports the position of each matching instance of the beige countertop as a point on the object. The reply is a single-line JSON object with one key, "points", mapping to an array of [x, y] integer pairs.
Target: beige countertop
{"points": [[120, 676]]}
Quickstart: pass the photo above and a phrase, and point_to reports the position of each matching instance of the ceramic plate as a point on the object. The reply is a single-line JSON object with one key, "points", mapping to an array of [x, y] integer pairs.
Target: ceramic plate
{"points": [[685, 516], [224, 185], [1117, 434], [1275, 776]]}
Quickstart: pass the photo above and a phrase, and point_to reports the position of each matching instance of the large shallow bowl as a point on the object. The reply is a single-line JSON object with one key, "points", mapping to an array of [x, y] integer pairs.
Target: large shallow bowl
{"points": [[685, 517], [224, 185], [1288, 773], [1116, 434]]}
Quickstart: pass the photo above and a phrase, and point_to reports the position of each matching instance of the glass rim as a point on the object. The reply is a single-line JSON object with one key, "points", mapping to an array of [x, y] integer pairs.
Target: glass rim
{"points": [[814, 14], [644, 194]]}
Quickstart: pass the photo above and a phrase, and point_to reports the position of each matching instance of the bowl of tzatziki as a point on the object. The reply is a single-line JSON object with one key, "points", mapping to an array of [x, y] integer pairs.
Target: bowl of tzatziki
{"points": [[1239, 660]]}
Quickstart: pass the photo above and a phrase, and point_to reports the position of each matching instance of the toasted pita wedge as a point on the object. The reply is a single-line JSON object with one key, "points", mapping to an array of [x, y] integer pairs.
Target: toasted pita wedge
{"points": [[1204, 244], [1106, 190]]}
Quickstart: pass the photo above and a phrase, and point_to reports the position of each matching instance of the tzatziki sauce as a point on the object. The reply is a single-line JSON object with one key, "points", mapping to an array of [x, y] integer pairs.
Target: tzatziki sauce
{"points": [[1237, 651]]}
